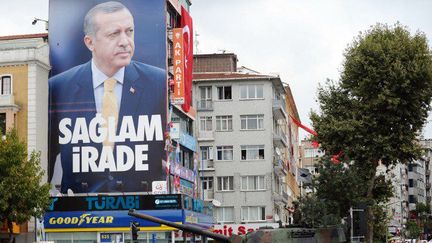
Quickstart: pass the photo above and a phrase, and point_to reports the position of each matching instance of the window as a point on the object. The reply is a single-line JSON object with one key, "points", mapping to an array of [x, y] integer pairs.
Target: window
{"points": [[312, 152], [224, 93], [252, 183], [251, 91], [205, 101], [252, 152], [207, 183], [253, 213], [223, 123], [252, 122], [205, 153], [206, 123], [3, 123], [5, 85], [225, 214], [225, 153], [225, 183]]}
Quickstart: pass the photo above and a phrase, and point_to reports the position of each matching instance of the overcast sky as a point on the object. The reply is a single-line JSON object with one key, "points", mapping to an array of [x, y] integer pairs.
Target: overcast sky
{"points": [[302, 40]]}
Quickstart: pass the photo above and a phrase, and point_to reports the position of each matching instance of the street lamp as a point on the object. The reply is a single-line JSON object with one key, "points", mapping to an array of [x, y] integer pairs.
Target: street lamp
{"points": [[35, 20]]}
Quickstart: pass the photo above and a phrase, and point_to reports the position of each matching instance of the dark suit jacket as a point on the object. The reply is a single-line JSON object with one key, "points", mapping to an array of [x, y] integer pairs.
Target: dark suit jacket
{"points": [[71, 95]]}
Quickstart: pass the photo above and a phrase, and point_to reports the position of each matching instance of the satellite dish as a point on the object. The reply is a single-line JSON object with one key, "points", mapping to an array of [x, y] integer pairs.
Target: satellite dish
{"points": [[216, 203], [276, 218], [70, 193]]}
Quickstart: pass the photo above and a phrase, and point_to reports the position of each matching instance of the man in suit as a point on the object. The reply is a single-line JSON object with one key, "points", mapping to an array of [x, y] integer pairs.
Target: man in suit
{"points": [[106, 116]]}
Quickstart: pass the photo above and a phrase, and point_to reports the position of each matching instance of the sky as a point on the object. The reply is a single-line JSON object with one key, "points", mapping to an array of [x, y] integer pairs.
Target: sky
{"points": [[302, 41]]}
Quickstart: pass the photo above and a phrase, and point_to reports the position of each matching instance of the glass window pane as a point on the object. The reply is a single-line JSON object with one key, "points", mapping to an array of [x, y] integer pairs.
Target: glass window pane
{"points": [[251, 183], [220, 93], [230, 154], [230, 214], [252, 123], [244, 183], [260, 91], [243, 124], [251, 91], [243, 92], [228, 92], [261, 123]]}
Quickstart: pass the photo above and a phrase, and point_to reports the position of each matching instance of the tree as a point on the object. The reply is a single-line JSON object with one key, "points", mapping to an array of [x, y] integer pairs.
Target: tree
{"points": [[375, 112], [413, 230], [22, 194]]}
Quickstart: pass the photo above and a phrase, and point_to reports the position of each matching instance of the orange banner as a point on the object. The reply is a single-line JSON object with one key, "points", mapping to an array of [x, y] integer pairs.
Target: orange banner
{"points": [[178, 60]]}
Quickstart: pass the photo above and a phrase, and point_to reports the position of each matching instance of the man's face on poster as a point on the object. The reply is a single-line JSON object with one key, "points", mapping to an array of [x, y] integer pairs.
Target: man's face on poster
{"points": [[113, 43]]}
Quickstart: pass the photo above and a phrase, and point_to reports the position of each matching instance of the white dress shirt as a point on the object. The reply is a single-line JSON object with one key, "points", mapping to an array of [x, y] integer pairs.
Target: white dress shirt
{"points": [[98, 85]]}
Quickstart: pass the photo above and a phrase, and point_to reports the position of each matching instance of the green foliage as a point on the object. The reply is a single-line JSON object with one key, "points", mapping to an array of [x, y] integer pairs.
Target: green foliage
{"points": [[374, 112], [413, 230], [22, 194], [316, 213], [380, 223]]}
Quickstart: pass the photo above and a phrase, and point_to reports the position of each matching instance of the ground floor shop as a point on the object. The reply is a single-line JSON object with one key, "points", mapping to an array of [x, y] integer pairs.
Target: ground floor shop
{"points": [[105, 219]]}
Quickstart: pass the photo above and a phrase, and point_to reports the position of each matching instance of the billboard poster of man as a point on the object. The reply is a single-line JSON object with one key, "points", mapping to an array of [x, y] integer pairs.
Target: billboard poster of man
{"points": [[107, 94]]}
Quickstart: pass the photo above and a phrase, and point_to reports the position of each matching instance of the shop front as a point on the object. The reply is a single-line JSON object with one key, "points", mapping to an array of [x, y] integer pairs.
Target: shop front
{"points": [[86, 219]]}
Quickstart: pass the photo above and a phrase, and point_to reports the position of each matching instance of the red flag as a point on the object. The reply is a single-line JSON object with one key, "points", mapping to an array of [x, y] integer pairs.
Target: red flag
{"points": [[335, 158], [307, 129], [186, 24]]}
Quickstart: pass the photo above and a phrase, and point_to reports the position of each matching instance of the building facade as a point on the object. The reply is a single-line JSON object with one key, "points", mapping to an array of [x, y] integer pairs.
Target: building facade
{"points": [[24, 69], [241, 128]]}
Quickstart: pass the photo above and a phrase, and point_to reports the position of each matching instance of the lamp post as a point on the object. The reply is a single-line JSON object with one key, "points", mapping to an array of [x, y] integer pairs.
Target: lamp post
{"points": [[35, 20]]}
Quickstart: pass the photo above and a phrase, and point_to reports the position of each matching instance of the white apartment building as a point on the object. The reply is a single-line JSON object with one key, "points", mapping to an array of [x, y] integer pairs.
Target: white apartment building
{"points": [[242, 128]]}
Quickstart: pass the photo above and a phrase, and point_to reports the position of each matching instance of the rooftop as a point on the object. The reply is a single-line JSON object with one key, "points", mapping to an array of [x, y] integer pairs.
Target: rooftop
{"points": [[27, 36]]}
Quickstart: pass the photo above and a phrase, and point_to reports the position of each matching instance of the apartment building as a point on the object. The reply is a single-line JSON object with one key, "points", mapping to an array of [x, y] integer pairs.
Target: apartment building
{"points": [[24, 68], [243, 136]]}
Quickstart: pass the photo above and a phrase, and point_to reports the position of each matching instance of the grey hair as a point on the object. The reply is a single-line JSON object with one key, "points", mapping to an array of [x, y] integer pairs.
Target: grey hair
{"points": [[105, 8]]}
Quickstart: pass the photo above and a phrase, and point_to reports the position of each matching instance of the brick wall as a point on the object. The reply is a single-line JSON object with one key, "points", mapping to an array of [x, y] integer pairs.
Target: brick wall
{"points": [[215, 63]]}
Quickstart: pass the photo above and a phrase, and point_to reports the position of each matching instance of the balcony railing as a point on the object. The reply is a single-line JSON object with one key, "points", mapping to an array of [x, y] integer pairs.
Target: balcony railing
{"points": [[208, 195], [207, 165], [279, 166], [279, 109], [205, 135], [279, 138], [205, 105]]}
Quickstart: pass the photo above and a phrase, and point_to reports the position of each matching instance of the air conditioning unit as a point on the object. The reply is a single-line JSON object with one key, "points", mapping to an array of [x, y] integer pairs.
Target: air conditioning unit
{"points": [[210, 153]]}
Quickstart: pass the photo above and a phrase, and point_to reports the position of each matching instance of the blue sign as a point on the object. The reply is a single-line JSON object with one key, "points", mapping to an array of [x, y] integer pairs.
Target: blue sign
{"points": [[105, 219], [187, 141]]}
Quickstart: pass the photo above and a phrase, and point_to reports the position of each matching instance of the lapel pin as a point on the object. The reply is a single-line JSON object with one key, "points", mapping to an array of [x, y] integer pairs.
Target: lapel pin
{"points": [[132, 90]]}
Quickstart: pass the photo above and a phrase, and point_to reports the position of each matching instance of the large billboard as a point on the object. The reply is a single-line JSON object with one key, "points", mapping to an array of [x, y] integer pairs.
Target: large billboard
{"points": [[107, 94]]}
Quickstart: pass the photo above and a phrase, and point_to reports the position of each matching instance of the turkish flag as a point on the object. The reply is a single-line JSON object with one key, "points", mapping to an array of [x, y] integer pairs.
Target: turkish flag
{"points": [[186, 24]]}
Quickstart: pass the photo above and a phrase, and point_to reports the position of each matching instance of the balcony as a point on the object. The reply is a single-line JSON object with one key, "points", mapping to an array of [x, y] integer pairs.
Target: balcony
{"points": [[279, 109], [279, 138], [280, 167], [279, 198], [207, 165], [208, 195], [204, 105], [205, 135], [7, 100], [285, 197]]}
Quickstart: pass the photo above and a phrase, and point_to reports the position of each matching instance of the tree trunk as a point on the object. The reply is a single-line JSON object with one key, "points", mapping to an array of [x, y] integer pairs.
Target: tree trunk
{"points": [[10, 227], [369, 212]]}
